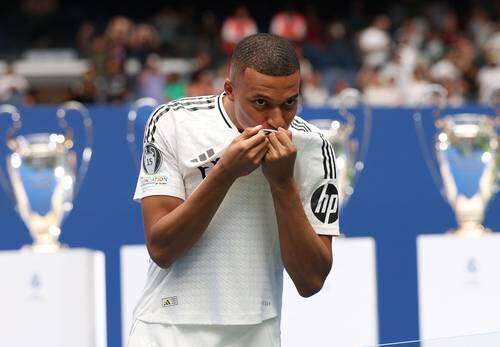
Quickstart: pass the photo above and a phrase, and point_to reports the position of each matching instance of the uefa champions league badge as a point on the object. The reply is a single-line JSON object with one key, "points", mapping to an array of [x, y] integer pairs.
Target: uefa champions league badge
{"points": [[151, 159]]}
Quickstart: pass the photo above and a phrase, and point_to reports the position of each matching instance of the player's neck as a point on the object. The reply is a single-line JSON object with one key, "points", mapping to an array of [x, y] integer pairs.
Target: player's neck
{"points": [[229, 108]]}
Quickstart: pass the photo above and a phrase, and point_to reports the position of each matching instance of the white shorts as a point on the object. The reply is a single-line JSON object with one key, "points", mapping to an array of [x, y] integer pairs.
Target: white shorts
{"points": [[265, 334]]}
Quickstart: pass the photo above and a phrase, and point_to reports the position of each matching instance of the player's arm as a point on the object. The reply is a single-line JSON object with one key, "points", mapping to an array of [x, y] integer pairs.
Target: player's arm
{"points": [[306, 255], [173, 226]]}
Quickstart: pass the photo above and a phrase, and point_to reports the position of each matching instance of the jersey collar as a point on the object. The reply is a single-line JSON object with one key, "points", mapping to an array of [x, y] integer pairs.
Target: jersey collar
{"points": [[223, 113]]}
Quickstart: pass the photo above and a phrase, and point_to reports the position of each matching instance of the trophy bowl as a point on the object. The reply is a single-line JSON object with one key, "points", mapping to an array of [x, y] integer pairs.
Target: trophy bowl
{"points": [[137, 117], [349, 150], [463, 160], [42, 175]]}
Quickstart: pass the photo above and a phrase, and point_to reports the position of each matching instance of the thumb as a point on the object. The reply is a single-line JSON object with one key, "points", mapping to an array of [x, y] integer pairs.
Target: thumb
{"points": [[287, 132], [249, 132]]}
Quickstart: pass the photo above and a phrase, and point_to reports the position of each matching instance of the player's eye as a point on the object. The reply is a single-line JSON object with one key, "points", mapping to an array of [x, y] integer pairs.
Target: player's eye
{"points": [[260, 102], [290, 102]]}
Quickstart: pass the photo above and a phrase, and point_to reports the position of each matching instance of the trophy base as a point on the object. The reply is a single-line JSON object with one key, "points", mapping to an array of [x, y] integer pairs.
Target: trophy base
{"points": [[45, 248], [468, 232]]}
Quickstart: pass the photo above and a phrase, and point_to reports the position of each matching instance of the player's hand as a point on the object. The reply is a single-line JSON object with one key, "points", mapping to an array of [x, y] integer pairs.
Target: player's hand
{"points": [[279, 160], [245, 153]]}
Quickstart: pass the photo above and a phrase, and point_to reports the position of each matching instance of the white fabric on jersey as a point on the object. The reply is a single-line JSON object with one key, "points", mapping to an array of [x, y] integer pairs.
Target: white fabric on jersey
{"points": [[234, 273], [264, 334]]}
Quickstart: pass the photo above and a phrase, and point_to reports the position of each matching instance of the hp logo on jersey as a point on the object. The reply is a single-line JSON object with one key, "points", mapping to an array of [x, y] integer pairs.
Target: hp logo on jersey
{"points": [[325, 203], [151, 159]]}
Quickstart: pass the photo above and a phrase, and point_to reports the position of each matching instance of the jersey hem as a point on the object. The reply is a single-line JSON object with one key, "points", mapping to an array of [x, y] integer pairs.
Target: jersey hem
{"points": [[325, 230], [167, 192], [220, 319]]}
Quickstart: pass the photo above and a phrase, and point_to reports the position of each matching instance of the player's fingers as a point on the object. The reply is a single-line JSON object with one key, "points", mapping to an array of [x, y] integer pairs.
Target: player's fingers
{"points": [[275, 143], [249, 132], [271, 152], [260, 156], [259, 147], [288, 148], [285, 137], [255, 140]]}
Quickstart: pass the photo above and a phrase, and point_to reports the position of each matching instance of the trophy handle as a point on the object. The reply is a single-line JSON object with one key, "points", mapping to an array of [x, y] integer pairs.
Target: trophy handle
{"points": [[345, 97], [495, 104], [441, 94], [87, 123], [15, 116], [348, 98], [131, 120]]}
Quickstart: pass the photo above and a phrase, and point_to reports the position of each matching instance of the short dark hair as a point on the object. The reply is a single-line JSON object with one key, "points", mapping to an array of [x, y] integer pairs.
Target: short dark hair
{"points": [[266, 53]]}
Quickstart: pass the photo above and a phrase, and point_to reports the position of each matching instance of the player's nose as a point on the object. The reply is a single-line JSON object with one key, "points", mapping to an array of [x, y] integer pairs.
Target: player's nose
{"points": [[276, 119]]}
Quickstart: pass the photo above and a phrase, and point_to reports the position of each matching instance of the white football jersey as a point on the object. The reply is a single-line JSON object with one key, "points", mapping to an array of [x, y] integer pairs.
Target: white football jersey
{"points": [[234, 273]]}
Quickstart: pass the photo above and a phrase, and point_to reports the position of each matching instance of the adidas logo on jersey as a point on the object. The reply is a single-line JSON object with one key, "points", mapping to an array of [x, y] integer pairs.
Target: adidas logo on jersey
{"points": [[171, 301], [203, 156]]}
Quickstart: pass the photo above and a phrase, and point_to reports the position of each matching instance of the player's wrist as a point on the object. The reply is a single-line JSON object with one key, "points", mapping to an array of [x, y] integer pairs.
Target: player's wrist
{"points": [[223, 174], [285, 184]]}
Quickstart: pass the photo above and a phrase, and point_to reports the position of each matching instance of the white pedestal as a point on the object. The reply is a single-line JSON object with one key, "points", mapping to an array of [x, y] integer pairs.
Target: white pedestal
{"points": [[134, 262], [458, 285], [344, 312], [52, 300]]}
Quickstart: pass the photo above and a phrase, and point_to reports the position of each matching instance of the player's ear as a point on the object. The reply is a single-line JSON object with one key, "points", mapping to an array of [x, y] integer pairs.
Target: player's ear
{"points": [[229, 89]]}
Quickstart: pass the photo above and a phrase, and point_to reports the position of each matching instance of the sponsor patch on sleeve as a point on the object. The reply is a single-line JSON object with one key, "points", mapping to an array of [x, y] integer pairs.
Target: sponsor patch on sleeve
{"points": [[325, 203], [150, 181]]}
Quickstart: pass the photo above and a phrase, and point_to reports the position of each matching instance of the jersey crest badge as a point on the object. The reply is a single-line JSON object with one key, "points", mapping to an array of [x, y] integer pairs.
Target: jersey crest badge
{"points": [[151, 159]]}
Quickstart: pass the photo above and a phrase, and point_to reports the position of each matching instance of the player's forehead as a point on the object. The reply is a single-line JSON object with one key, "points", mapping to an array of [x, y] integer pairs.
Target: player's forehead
{"points": [[256, 84]]}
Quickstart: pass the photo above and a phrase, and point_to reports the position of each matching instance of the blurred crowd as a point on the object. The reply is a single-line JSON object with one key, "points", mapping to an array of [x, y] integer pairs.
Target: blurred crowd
{"points": [[391, 57]]}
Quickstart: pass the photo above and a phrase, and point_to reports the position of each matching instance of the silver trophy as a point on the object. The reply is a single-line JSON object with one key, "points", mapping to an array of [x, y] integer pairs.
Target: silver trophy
{"points": [[463, 159], [43, 175], [349, 150], [141, 107]]}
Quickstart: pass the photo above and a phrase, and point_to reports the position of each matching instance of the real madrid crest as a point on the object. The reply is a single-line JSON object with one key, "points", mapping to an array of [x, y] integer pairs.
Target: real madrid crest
{"points": [[151, 159]]}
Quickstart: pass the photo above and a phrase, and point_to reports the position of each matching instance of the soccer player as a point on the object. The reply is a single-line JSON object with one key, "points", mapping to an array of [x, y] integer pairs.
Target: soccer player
{"points": [[227, 205]]}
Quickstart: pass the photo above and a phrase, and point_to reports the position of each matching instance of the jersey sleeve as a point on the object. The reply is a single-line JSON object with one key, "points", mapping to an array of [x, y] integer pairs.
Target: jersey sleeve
{"points": [[316, 177], [159, 173]]}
